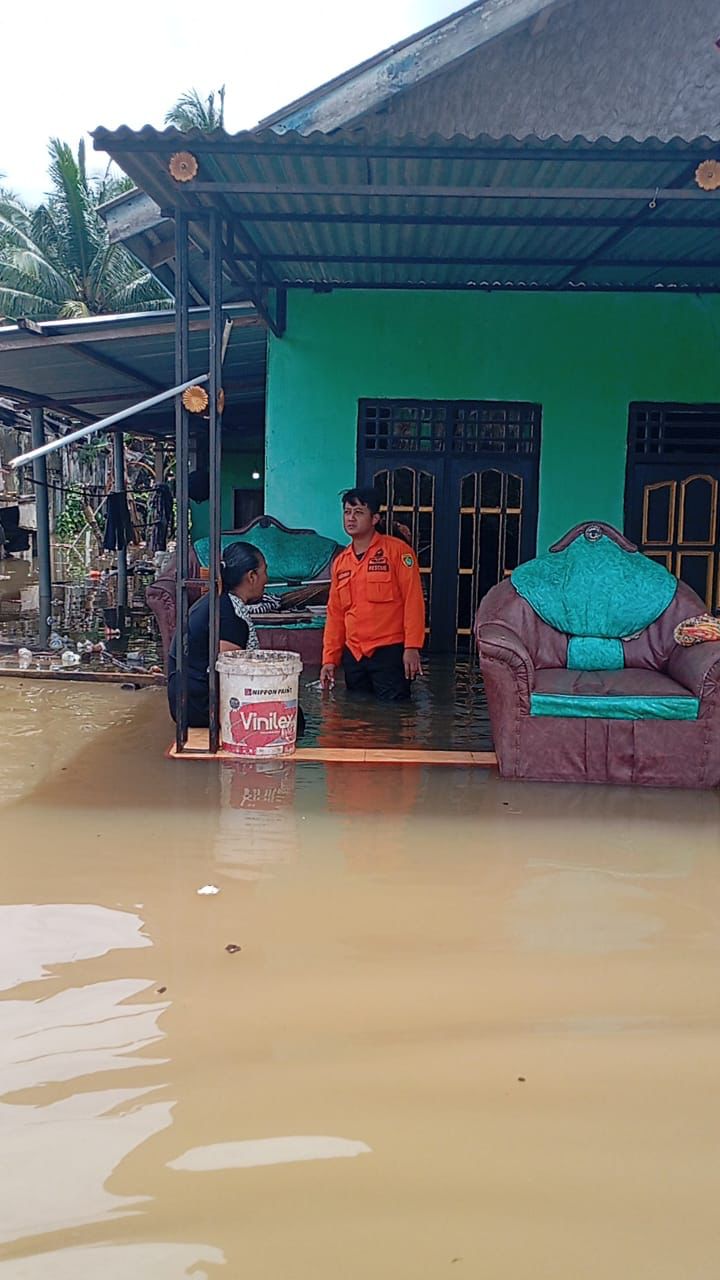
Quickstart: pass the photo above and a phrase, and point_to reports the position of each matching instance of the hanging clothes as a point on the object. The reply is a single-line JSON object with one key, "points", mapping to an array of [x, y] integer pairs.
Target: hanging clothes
{"points": [[118, 525], [161, 517]]}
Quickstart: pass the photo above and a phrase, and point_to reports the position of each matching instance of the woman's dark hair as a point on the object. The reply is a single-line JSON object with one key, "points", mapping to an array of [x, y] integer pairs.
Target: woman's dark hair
{"points": [[238, 559]]}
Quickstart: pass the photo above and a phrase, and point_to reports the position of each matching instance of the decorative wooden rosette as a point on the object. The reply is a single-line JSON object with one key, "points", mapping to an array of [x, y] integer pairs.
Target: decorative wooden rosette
{"points": [[195, 399], [183, 166], [707, 175]]}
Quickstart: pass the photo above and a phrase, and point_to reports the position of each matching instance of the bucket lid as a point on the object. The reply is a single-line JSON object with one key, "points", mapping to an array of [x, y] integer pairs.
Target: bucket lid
{"points": [[259, 662]]}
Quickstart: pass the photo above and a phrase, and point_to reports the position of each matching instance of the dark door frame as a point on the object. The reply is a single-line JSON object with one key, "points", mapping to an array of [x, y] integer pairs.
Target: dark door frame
{"points": [[465, 447]]}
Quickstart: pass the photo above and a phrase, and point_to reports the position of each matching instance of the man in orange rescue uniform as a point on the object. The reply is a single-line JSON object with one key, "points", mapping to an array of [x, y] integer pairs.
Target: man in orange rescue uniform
{"points": [[376, 611]]}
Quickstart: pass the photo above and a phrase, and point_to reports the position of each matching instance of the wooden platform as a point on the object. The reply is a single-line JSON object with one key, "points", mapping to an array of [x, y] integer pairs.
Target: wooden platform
{"points": [[197, 749], [77, 674]]}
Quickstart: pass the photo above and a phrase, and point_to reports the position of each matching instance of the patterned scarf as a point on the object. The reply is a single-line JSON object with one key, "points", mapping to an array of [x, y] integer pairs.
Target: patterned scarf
{"points": [[244, 613]]}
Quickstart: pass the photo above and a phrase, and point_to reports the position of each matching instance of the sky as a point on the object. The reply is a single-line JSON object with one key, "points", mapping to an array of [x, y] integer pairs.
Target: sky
{"points": [[94, 64]]}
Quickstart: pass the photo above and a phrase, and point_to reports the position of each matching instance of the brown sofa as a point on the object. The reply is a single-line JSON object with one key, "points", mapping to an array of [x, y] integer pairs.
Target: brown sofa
{"points": [[294, 557], [524, 665]]}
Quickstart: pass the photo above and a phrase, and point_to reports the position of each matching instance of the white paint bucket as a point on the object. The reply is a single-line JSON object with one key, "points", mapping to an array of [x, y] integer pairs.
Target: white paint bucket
{"points": [[259, 702]]}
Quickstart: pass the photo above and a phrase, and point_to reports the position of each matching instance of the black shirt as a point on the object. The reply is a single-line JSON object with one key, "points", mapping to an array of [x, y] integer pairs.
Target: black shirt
{"points": [[232, 629]]}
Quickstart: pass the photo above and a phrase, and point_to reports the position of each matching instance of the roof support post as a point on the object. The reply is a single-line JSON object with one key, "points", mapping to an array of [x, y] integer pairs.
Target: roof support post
{"points": [[118, 451], [182, 450], [281, 311], [37, 428], [215, 355]]}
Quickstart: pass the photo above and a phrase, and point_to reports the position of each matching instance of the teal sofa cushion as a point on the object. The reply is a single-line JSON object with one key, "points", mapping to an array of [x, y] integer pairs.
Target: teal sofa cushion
{"points": [[614, 708], [598, 594], [291, 557], [626, 694]]}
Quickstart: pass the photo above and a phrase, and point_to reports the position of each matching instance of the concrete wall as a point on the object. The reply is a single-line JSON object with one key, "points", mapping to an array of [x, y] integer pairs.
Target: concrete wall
{"points": [[595, 67], [583, 358]]}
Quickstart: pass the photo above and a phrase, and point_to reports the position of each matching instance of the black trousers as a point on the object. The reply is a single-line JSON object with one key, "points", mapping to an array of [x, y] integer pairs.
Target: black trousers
{"points": [[382, 674]]}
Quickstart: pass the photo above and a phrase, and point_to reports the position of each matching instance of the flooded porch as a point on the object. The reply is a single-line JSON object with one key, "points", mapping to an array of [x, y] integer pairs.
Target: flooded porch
{"points": [[432, 1023]]}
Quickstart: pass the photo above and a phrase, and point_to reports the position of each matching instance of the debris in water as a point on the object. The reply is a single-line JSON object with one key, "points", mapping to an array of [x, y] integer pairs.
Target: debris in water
{"points": [[232, 947], [207, 888], [161, 990], [521, 1079]]}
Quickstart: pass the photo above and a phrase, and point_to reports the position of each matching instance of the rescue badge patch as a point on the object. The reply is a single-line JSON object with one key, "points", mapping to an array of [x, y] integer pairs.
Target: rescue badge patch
{"points": [[408, 560]]}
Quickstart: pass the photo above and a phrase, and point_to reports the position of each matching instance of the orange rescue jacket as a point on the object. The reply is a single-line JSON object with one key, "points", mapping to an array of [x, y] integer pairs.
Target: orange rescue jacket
{"points": [[375, 601]]}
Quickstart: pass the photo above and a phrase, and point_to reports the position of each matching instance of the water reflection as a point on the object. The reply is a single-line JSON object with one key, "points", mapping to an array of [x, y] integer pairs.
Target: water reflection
{"points": [[60, 1145], [254, 1153], [147, 1261], [448, 711], [258, 823], [33, 937]]}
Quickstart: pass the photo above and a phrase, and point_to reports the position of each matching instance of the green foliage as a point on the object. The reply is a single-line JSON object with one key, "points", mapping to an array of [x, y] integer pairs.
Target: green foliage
{"points": [[71, 520], [57, 261], [193, 112]]}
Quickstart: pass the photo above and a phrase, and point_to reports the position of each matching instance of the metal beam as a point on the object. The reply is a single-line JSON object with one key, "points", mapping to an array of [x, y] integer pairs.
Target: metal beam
{"points": [[182, 501], [105, 332], [616, 237], [44, 559], [467, 260], [465, 220], [30, 398], [647, 194], [497, 286], [104, 423], [95, 357], [215, 355], [248, 144], [117, 366]]}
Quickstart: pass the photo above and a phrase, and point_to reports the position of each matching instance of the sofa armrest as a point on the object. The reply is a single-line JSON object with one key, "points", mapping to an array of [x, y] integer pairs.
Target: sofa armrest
{"points": [[160, 599], [499, 643], [697, 668], [505, 644]]}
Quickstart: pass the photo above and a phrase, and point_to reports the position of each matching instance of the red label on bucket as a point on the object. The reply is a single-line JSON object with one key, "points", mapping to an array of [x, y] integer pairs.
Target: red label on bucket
{"points": [[259, 725]]}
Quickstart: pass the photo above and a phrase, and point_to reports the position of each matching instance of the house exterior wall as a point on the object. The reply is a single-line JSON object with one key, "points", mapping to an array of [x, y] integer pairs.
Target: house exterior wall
{"points": [[583, 358], [596, 67]]}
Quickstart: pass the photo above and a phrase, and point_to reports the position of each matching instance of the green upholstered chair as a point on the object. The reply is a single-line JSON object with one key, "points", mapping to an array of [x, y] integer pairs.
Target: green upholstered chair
{"points": [[584, 678]]}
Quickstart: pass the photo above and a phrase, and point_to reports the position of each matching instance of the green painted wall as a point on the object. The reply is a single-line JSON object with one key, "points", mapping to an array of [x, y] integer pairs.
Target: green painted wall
{"points": [[237, 469], [583, 357]]}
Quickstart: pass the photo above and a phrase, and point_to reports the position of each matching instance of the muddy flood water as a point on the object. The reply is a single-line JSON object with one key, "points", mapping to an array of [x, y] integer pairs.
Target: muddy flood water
{"points": [[432, 1025]]}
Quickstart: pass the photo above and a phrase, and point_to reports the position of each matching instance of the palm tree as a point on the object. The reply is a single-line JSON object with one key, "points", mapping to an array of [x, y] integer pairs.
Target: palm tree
{"points": [[57, 260], [193, 112]]}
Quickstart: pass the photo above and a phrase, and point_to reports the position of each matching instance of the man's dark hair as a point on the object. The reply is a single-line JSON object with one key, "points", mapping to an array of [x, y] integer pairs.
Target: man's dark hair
{"points": [[363, 497]]}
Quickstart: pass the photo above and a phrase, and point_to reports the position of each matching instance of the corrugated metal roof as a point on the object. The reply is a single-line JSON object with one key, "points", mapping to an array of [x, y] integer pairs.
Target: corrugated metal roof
{"points": [[339, 211], [92, 367]]}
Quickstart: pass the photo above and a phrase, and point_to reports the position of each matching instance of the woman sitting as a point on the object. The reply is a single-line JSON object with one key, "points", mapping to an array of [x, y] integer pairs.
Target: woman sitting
{"points": [[244, 577]]}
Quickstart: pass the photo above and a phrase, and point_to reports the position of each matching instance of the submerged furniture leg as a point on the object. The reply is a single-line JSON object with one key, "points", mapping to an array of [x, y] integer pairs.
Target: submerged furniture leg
{"points": [[118, 486], [37, 425]]}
